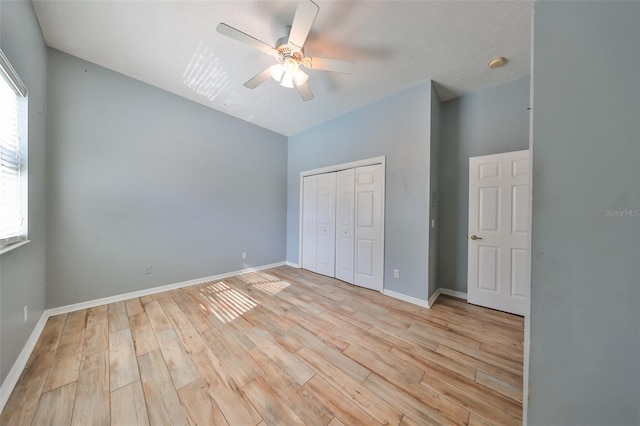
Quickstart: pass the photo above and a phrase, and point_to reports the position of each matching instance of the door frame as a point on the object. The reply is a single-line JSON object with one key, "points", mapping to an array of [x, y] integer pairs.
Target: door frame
{"points": [[336, 168]]}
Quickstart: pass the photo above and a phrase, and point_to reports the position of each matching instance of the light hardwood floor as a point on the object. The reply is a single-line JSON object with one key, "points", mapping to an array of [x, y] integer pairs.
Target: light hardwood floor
{"points": [[278, 347]]}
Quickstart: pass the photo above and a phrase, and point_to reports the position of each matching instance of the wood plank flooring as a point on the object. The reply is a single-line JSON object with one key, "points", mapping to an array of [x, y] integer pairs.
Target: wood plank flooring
{"points": [[277, 347]]}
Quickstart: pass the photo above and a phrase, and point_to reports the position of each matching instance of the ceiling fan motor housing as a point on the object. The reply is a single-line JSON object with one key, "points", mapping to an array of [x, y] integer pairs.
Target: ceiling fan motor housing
{"points": [[285, 50]]}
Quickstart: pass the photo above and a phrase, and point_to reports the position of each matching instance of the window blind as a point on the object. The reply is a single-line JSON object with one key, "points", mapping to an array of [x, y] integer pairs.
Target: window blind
{"points": [[13, 133]]}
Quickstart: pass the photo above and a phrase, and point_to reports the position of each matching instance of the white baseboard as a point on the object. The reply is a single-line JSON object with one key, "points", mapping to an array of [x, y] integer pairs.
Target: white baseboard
{"points": [[21, 362], [18, 366], [453, 293], [154, 290], [426, 303], [433, 297], [410, 299], [293, 265]]}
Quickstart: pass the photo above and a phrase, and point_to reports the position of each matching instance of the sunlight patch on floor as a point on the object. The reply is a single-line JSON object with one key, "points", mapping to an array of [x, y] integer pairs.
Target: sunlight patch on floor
{"points": [[273, 287], [264, 282], [226, 303]]}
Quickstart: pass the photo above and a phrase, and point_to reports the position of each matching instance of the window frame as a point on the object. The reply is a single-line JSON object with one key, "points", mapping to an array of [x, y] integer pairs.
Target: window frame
{"points": [[10, 76]]}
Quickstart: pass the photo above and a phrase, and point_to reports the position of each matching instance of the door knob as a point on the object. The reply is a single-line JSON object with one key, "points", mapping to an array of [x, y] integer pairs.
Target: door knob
{"points": [[475, 237]]}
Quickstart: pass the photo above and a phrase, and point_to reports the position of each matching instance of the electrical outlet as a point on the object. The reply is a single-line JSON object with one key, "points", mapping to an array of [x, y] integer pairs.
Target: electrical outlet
{"points": [[26, 313], [396, 273], [147, 269], [244, 255]]}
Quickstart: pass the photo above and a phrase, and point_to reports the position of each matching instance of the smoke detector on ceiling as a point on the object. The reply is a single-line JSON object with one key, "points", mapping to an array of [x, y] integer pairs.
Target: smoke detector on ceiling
{"points": [[497, 62]]}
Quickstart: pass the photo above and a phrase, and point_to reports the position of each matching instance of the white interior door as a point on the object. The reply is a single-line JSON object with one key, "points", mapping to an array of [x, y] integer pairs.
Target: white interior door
{"points": [[326, 224], [309, 225], [345, 207], [498, 231], [368, 267]]}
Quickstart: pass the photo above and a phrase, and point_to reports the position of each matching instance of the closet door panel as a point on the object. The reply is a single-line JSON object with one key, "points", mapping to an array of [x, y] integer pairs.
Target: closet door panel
{"points": [[345, 214], [326, 224], [309, 224], [365, 259], [368, 266]]}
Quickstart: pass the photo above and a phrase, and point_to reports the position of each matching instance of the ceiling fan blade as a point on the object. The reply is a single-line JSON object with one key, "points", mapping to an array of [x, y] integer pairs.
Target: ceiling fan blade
{"points": [[305, 92], [333, 65], [258, 79], [245, 38], [302, 21]]}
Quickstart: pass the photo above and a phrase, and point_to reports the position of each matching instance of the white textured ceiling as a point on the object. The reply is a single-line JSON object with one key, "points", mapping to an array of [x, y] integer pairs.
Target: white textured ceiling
{"points": [[395, 45]]}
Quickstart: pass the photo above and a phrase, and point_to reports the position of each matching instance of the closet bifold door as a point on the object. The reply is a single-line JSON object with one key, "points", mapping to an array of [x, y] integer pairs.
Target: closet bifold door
{"points": [[345, 215], [309, 224], [326, 224], [368, 267]]}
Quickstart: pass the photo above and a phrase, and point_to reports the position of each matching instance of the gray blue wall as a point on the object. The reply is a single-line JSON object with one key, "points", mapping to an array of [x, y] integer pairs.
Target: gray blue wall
{"points": [[138, 176], [399, 128], [488, 121], [22, 271], [585, 289]]}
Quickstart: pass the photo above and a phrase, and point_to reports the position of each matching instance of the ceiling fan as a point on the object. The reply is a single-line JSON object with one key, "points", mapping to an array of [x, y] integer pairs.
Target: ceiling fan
{"points": [[289, 52]]}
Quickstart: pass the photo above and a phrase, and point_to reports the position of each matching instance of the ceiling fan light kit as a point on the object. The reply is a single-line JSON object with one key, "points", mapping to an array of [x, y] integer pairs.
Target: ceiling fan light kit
{"points": [[288, 71], [289, 53]]}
